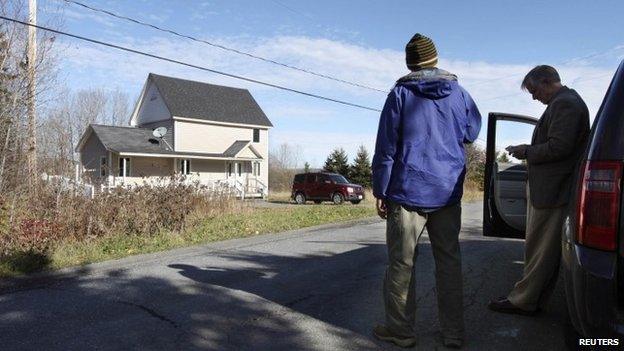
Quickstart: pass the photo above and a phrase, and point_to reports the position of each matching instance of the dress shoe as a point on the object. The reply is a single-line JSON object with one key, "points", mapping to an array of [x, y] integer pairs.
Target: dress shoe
{"points": [[382, 333], [505, 306]]}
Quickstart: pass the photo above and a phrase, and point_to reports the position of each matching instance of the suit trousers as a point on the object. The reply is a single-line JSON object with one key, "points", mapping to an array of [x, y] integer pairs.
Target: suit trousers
{"points": [[403, 229], [542, 256]]}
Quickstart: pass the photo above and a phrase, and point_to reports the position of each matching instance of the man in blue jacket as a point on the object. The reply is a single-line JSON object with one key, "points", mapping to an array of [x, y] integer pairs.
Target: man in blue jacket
{"points": [[418, 174]]}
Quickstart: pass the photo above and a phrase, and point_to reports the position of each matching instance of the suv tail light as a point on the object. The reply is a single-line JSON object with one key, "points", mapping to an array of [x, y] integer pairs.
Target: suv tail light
{"points": [[599, 204]]}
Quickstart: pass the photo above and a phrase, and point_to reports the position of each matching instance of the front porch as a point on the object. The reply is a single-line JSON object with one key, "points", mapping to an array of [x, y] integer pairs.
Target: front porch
{"points": [[241, 177]]}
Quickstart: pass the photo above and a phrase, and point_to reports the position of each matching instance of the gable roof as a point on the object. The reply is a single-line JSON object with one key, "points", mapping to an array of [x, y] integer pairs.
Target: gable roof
{"points": [[235, 148], [238, 146], [191, 99], [137, 140]]}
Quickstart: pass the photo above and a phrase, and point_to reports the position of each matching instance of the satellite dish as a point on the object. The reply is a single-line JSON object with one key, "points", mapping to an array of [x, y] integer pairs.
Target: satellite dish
{"points": [[160, 132]]}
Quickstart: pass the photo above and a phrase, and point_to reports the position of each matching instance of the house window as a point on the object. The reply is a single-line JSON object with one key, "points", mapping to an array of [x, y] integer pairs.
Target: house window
{"points": [[239, 169], [256, 169], [103, 166], [185, 166], [229, 170], [256, 135], [124, 167]]}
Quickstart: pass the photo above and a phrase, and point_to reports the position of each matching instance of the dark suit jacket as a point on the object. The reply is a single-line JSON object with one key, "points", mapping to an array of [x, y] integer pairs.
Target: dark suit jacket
{"points": [[558, 142]]}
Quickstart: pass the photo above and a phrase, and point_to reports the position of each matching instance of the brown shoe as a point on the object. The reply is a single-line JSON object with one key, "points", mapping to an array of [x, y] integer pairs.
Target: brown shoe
{"points": [[382, 333], [505, 306]]}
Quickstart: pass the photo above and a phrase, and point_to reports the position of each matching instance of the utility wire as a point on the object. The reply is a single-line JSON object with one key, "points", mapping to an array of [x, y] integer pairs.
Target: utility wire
{"points": [[286, 65], [189, 64], [224, 47], [578, 80]]}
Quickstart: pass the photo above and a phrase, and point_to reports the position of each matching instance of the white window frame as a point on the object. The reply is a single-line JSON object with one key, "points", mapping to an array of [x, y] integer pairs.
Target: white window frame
{"points": [[185, 162], [125, 172], [256, 169], [228, 169], [253, 137], [103, 166]]}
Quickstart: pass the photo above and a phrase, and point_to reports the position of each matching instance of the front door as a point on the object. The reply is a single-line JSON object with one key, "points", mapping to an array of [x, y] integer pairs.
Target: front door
{"points": [[505, 181], [237, 171]]}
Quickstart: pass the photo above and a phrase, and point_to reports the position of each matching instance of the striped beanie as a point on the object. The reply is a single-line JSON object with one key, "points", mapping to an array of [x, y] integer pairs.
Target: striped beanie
{"points": [[420, 52]]}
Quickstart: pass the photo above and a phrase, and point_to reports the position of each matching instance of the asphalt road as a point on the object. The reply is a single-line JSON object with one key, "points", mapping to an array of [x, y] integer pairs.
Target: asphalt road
{"points": [[316, 289]]}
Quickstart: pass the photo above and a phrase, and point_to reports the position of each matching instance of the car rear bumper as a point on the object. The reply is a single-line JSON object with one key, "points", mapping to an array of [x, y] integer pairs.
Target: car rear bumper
{"points": [[591, 289]]}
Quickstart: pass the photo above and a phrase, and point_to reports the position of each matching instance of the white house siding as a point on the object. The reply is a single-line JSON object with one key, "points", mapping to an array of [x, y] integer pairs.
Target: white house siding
{"points": [[143, 169], [90, 155], [153, 107], [212, 138], [246, 153], [208, 170], [151, 166]]}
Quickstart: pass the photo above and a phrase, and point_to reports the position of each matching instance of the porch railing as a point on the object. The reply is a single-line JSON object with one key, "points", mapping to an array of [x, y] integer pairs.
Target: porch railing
{"points": [[230, 186]]}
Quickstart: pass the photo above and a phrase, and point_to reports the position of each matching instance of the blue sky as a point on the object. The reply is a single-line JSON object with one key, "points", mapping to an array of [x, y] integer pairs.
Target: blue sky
{"points": [[490, 45]]}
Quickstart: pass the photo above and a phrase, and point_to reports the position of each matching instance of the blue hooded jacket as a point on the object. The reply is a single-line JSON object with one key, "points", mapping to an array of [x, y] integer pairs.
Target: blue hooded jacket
{"points": [[419, 156]]}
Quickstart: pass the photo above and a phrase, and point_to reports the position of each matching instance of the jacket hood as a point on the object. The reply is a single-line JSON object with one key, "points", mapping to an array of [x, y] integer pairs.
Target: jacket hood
{"points": [[432, 83]]}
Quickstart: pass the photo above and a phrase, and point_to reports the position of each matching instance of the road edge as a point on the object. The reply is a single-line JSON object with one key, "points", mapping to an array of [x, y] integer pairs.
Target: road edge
{"points": [[45, 278]]}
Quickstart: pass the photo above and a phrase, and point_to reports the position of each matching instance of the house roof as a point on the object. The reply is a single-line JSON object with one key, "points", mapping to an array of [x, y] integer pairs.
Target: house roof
{"points": [[235, 148], [137, 140], [191, 99]]}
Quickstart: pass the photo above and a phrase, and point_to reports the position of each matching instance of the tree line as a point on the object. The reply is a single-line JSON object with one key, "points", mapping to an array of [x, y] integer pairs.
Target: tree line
{"points": [[284, 164]]}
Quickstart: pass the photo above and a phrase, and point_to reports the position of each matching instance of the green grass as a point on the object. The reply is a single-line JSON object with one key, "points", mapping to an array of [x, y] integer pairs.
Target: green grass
{"points": [[236, 225]]}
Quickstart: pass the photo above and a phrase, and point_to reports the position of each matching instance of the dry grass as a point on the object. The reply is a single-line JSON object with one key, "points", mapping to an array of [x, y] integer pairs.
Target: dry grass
{"points": [[279, 196], [34, 224], [57, 229], [472, 192], [61, 230]]}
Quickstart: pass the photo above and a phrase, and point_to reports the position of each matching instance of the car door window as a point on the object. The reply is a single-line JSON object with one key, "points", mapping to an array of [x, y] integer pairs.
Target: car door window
{"points": [[505, 184]]}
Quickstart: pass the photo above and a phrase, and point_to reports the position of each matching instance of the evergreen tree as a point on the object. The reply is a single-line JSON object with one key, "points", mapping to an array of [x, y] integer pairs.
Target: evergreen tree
{"points": [[337, 162], [306, 167], [361, 171]]}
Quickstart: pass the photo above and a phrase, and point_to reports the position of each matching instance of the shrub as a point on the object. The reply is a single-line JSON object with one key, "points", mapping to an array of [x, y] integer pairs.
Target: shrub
{"points": [[33, 222]]}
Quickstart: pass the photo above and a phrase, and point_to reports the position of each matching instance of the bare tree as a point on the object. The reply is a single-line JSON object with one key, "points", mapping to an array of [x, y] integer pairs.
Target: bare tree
{"points": [[283, 163], [118, 108], [65, 123], [14, 84]]}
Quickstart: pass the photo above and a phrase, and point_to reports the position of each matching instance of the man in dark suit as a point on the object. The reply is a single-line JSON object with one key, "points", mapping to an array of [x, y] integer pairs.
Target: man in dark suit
{"points": [[557, 144]]}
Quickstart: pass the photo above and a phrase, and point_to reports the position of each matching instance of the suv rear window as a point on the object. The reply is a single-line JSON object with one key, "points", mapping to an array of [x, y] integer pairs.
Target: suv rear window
{"points": [[299, 178], [311, 178]]}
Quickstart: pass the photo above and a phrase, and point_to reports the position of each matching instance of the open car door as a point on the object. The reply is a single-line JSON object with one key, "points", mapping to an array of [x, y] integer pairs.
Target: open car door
{"points": [[505, 181]]}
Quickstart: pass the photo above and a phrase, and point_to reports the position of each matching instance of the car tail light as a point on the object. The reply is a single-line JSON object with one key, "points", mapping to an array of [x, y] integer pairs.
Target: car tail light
{"points": [[599, 204]]}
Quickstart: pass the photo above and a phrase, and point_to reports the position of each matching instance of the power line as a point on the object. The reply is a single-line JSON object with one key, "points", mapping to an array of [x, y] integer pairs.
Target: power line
{"points": [[564, 62], [190, 65], [224, 47], [583, 79], [292, 10]]}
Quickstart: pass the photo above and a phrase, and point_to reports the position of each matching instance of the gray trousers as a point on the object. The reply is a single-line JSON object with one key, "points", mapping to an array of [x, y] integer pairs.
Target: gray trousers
{"points": [[402, 233], [542, 255]]}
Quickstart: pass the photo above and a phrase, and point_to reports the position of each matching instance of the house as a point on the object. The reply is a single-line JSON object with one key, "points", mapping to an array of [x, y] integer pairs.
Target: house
{"points": [[215, 135]]}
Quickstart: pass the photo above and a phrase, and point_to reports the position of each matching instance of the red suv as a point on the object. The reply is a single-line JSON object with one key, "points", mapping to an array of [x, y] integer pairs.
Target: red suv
{"points": [[323, 186]]}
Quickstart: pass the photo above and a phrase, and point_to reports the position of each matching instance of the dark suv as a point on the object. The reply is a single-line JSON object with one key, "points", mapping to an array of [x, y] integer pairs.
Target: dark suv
{"points": [[323, 186], [592, 233]]}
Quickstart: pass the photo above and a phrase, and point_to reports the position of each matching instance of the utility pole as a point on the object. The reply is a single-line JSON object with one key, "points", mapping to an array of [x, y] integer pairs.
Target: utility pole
{"points": [[31, 153]]}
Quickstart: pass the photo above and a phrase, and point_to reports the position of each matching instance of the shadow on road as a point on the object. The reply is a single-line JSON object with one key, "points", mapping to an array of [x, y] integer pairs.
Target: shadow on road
{"points": [[209, 307]]}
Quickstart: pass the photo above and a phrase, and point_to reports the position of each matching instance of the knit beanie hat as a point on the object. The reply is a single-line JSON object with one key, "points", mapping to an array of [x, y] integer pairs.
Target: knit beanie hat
{"points": [[420, 52]]}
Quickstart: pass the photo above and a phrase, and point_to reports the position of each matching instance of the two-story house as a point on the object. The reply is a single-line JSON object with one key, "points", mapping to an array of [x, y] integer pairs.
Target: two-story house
{"points": [[214, 135]]}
